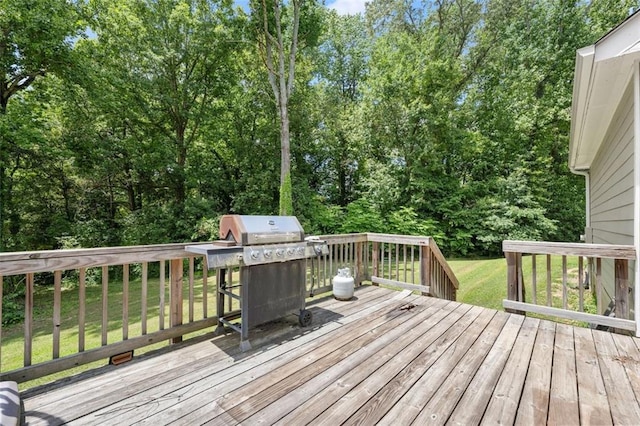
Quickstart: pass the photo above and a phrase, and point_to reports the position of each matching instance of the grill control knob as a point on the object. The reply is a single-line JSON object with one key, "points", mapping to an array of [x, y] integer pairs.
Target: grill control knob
{"points": [[290, 251], [280, 252], [254, 255], [267, 253], [300, 250], [318, 249]]}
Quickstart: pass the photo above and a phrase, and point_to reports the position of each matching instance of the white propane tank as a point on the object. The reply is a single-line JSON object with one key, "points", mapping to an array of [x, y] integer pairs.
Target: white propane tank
{"points": [[343, 285]]}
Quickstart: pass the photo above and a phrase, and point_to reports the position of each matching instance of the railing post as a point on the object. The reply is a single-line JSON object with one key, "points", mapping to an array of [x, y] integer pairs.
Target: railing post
{"points": [[359, 269], [425, 268], [622, 288], [515, 286], [375, 260], [175, 305]]}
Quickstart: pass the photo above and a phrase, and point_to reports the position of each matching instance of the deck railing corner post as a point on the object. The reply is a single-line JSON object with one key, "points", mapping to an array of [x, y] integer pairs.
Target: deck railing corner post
{"points": [[515, 286], [176, 272], [425, 267], [375, 258]]}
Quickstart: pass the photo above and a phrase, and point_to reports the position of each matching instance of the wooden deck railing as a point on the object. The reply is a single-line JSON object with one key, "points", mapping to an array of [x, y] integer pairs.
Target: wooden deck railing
{"points": [[409, 262], [174, 305], [172, 294], [567, 299]]}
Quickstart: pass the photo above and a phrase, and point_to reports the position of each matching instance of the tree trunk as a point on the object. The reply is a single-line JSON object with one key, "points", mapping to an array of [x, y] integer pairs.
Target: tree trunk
{"points": [[281, 71]]}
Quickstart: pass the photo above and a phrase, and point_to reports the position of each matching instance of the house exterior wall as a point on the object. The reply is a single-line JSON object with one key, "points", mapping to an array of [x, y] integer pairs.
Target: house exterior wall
{"points": [[612, 189]]}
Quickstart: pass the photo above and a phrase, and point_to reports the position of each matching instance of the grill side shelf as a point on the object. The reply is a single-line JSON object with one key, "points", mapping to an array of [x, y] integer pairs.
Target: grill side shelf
{"points": [[218, 256]]}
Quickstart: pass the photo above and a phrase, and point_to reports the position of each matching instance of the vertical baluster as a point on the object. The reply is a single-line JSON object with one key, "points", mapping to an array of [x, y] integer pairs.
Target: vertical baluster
{"points": [[375, 253], [404, 259], [324, 267], [367, 246], [332, 248], [599, 285], [191, 289], [580, 285], [382, 260], [230, 288], [205, 276], [397, 277], [57, 301], [125, 301], [548, 280], [162, 277], [534, 280], [82, 298], [144, 295], [105, 304], [359, 263], [413, 264], [390, 263], [348, 262], [564, 282], [28, 320]]}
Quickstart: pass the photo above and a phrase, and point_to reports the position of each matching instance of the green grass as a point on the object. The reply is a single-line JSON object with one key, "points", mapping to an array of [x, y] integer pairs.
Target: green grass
{"points": [[483, 282]]}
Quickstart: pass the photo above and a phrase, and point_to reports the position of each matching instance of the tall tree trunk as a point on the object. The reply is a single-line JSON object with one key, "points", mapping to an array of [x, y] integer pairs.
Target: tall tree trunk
{"points": [[281, 77], [3, 201]]}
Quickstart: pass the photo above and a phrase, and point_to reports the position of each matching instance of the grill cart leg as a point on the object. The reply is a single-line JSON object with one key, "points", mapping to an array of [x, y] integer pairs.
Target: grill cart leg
{"points": [[221, 284]]}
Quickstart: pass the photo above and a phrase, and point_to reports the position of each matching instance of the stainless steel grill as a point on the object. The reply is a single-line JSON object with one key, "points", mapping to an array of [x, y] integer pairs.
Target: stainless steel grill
{"points": [[271, 252]]}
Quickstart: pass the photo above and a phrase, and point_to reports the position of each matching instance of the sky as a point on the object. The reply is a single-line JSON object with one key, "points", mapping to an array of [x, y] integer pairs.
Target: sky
{"points": [[347, 7], [343, 7]]}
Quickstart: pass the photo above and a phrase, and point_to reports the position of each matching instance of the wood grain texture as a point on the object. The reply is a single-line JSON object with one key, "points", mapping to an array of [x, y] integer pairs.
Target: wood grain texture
{"points": [[384, 357], [571, 315], [571, 249], [563, 400]]}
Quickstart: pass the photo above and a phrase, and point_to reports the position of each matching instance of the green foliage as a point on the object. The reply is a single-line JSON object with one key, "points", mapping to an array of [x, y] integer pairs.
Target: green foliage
{"points": [[449, 119], [362, 216], [513, 214], [12, 311]]}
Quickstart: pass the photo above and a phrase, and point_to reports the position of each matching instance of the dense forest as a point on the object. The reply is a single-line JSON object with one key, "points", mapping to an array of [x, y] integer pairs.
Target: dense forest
{"points": [[142, 121]]}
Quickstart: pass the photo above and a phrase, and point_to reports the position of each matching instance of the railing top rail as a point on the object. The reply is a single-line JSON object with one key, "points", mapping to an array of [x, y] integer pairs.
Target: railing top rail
{"points": [[417, 240], [344, 238], [48, 254], [570, 249], [52, 260]]}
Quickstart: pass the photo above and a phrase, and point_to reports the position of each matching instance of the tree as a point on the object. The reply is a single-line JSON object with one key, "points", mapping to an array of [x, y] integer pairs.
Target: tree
{"points": [[36, 38], [342, 67], [279, 49], [162, 69]]}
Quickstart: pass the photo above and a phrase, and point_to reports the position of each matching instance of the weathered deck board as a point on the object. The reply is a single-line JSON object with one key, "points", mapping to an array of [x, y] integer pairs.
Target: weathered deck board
{"points": [[534, 401], [594, 406], [385, 357], [563, 401]]}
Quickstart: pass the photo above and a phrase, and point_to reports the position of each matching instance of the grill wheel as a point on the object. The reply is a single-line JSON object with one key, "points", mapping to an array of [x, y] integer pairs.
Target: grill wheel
{"points": [[305, 318]]}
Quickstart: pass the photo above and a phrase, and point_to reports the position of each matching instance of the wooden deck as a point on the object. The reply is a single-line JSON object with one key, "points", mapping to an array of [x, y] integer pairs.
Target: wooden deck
{"points": [[386, 357]]}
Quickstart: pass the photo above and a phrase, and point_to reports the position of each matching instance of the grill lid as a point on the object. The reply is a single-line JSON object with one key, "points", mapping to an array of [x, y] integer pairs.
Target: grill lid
{"points": [[251, 230]]}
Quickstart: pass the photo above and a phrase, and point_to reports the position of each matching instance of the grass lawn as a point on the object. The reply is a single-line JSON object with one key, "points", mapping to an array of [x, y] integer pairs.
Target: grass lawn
{"points": [[483, 282]]}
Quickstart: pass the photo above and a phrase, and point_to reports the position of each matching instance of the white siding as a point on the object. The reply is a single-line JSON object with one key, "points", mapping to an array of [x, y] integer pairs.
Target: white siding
{"points": [[612, 180]]}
